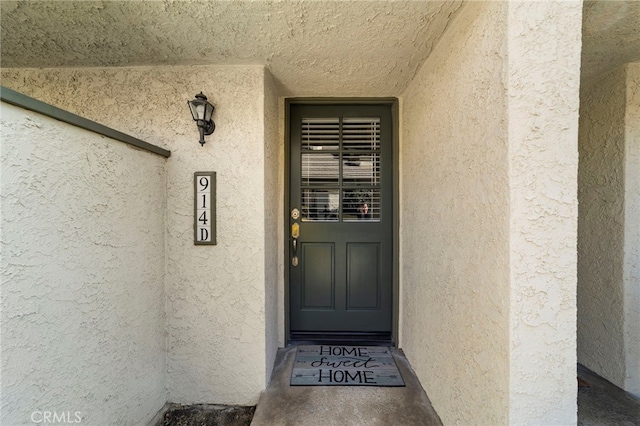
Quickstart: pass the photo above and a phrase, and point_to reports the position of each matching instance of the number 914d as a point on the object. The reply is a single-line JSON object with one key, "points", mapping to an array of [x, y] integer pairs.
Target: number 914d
{"points": [[204, 208]]}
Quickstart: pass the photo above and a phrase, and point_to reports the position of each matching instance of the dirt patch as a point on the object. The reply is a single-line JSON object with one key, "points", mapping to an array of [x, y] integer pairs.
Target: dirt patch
{"points": [[208, 415]]}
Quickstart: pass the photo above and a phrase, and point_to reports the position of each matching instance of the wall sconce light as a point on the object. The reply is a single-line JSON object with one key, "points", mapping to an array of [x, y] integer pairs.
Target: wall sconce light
{"points": [[201, 110]]}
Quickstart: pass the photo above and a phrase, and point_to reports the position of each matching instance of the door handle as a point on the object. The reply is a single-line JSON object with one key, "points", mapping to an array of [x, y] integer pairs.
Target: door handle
{"points": [[295, 234]]}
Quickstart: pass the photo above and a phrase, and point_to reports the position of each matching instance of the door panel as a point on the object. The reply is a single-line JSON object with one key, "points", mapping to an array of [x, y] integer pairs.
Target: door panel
{"points": [[363, 279], [341, 183], [317, 283]]}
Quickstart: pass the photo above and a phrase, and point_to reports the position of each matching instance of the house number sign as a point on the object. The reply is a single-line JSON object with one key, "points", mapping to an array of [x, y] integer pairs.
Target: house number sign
{"points": [[204, 184]]}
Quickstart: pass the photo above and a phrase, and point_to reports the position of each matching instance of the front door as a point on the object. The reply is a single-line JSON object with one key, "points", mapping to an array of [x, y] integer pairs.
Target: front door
{"points": [[341, 219]]}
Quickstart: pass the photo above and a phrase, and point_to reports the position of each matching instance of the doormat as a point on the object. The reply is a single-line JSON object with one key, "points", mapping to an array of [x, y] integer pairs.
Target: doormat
{"points": [[326, 365]]}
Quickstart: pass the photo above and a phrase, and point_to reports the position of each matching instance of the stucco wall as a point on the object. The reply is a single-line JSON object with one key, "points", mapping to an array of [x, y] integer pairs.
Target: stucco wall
{"points": [[82, 261], [489, 221], [632, 231], [216, 296], [543, 92], [601, 227], [609, 227], [455, 218]]}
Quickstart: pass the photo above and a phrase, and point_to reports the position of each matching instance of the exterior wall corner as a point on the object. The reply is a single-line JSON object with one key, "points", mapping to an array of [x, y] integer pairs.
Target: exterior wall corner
{"points": [[544, 40]]}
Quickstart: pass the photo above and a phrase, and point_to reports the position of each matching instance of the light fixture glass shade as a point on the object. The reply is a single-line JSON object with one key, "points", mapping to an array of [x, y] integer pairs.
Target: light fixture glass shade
{"points": [[200, 108], [199, 111], [208, 111]]}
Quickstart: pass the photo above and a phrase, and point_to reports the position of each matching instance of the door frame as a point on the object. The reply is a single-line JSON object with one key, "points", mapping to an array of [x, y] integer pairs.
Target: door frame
{"points": [[395, 114]]}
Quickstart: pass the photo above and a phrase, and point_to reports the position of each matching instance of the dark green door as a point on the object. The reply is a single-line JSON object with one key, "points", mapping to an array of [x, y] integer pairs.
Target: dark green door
{"points": [[341, 219]]}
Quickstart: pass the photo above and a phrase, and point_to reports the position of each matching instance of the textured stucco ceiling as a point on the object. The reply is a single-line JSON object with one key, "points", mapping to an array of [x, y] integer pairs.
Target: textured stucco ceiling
{"points": [[610, 35], [312, 47], [329, 48]]}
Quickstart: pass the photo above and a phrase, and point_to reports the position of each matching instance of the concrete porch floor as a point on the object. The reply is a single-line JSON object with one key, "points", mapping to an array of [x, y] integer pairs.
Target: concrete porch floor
{"points": [[282, 404], [601, 404], [604, 404]]}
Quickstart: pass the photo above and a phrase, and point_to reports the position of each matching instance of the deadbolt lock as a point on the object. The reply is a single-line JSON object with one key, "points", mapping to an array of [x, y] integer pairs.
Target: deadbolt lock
{"points": [[295, 214]]}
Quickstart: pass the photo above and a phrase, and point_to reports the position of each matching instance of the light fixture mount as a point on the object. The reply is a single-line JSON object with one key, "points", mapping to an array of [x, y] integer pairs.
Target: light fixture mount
{"points": [[201, 111]]}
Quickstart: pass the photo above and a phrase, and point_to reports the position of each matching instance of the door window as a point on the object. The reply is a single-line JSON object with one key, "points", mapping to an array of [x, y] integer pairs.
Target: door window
{"points": [[340, 169]]}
